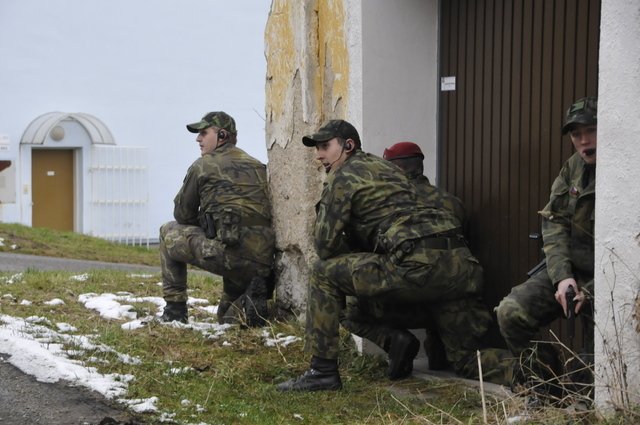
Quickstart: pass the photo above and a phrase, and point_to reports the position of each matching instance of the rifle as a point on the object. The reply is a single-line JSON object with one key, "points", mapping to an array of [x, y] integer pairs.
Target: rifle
{"points": [[541, 265]]}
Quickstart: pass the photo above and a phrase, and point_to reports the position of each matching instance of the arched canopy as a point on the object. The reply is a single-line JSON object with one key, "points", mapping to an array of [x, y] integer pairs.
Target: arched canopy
{"points": [[37, 131]]}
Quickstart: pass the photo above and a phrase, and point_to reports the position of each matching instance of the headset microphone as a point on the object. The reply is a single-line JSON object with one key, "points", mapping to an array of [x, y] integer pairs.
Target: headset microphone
{"points": [[337, 159], [221, 136], [348, 146]]}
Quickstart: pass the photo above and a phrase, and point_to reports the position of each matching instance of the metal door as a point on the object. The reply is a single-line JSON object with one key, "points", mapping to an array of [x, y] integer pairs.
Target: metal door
{"points": [[517, 65], [52, 193]]}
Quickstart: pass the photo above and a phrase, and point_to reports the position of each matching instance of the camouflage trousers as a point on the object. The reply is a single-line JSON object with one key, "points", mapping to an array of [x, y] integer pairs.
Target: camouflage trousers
{"points": [[185, 244], [461, 323], [531, 306]]}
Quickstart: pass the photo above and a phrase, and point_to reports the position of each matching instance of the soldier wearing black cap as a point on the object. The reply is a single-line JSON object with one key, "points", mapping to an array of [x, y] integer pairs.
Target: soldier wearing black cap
{"points": [[222, 224], [375, 239], [567, 232]]}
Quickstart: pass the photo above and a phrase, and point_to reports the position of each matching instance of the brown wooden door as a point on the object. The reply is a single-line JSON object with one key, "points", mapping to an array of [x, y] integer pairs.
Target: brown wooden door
{"points": [[52, 181], [518, 65]]}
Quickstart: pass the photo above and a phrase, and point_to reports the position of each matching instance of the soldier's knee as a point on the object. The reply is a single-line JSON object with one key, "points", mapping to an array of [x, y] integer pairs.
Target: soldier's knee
{"points": [[165, 228], [514, 319], [505, 312], [318, 267]]}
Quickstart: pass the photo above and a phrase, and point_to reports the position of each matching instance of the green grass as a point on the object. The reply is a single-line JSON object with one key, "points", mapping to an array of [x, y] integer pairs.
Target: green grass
{"points": [[230, 379], [55, 243]]}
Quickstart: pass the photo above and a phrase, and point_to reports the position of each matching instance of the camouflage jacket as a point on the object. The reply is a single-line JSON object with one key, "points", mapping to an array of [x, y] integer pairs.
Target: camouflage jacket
{"points": [[438, 198], [568, 222], [369, 205], [229, 179]]}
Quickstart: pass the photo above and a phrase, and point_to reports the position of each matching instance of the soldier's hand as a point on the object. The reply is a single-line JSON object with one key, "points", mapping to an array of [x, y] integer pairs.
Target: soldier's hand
{"points": [[561, 297], [580, 299]]}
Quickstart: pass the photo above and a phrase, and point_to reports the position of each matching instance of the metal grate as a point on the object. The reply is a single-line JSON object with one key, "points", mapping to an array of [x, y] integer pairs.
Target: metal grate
{"points": [[119, 194]]}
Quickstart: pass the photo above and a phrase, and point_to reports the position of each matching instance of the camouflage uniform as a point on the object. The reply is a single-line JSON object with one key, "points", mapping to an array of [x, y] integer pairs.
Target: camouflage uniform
{"points": [[567, 230], [376, 240], [232, 186], [438, 198], [375, 320]]}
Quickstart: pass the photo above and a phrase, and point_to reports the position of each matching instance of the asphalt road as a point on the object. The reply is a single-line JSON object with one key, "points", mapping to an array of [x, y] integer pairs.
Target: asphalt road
{"points": [[19, 262], [25, 401]]}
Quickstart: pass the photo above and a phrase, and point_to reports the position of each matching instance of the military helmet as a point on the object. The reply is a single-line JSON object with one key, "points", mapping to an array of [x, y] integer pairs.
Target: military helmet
{"points": [[402, 150], [583, 111]]}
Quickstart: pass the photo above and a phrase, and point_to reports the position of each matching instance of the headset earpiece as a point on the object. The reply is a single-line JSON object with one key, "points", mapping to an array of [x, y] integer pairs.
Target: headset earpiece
{"points": [[348, 146], [222, 135]]}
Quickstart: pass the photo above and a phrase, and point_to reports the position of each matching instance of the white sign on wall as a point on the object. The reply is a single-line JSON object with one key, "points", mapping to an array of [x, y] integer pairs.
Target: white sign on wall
{"points": [[447, 83]]}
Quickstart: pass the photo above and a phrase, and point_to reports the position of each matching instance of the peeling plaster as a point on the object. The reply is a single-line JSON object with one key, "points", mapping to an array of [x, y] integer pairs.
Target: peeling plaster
{"points": [[282, 68], [307, 83]]}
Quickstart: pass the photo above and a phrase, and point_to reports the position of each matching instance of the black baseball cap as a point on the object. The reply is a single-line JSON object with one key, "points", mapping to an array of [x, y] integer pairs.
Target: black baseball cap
{"points": [[331, 129]]}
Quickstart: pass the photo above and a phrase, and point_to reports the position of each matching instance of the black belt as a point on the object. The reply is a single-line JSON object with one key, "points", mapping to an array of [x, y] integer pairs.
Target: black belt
{"points": [[443, 243], [254, 221]]}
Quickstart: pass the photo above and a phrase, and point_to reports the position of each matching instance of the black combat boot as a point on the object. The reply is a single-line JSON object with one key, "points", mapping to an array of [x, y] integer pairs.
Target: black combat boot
{"points": [[403, 347], [175, 311], [580, 377], [223, 308], [539, 374], [322, 376], [255, 302], [434, 349], [232, 313], [226, 301]]}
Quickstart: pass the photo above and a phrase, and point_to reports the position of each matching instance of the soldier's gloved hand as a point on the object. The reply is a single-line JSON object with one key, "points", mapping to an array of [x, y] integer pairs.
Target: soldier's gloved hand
{"points": [[561, 298]]}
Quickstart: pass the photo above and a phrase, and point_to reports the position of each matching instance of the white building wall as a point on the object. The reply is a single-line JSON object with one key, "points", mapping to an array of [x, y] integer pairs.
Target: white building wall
{"points": [[617, 255], [393, 58], [354, 34], [145, 71], [400, 76]]}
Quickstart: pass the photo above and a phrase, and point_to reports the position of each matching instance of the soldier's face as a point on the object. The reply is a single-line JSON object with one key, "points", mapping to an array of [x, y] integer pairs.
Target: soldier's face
{"points": [[208, 140], [584, 139], [331, 154]]}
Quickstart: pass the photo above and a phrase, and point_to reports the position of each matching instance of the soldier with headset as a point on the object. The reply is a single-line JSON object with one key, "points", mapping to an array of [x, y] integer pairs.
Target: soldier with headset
{"points": [[566, 278], [222, 224], [376, 239]]}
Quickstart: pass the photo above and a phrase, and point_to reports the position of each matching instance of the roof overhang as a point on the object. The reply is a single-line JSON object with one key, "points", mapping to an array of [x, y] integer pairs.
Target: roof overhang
{"points": [[37, 131]]}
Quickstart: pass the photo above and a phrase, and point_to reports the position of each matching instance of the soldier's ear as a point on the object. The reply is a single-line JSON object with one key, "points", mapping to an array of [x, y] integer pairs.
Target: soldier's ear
{"points": [[348, 145]]}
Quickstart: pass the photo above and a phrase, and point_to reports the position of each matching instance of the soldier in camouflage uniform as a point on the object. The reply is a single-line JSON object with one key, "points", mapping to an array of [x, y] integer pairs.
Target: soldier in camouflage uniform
{"points": [[222, 224], [363, 317], [567, 232], [376, 239], [409, 157]]}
